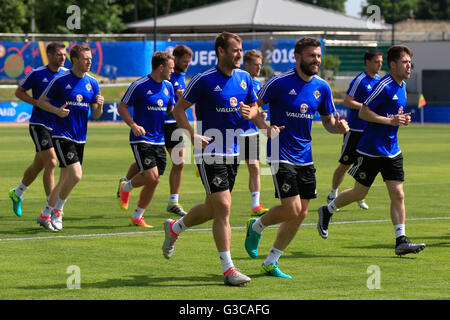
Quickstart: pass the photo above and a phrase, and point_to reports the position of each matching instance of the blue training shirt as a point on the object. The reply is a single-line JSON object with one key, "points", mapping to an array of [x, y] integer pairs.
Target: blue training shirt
{"points": [[248, 126], [293, 103], [216, 97], [79, 94], [380, 140], [360, 88], [150, 101], [178, 80], [37, 80]]}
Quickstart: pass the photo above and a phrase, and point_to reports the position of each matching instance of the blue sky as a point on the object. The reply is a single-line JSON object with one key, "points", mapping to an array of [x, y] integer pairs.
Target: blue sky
{"points": [[353, 7]]}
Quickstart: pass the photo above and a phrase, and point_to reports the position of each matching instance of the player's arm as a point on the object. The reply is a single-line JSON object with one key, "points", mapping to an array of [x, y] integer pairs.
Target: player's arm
{"points": [[44, 103], [179, 113], [97, 108], [400, 119], [22, 94], [122, 109], [351, 103], [334, 125]]}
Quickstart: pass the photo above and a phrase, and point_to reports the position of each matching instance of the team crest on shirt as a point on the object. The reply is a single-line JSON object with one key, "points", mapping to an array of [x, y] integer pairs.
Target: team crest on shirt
{"points": [[233, 102], [160, 102], [166, 92], [316, 94], [304, 108], [243, 84], [88, 87], [79, 97]]}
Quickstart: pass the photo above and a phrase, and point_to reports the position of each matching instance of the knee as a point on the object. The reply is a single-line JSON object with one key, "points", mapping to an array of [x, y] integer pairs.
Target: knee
{"points": [[151, 178], [294, 211], [398, 195], [179, 166]]}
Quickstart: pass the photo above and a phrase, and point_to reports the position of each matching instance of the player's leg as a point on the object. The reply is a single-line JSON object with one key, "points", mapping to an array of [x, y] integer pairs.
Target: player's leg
{"points": [[175, 179], [132, 171]]}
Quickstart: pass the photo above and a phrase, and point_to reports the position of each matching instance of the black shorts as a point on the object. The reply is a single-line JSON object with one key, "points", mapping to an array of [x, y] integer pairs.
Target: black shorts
{"points": [[349, 154], [249, 147], [367, 168], [177, 141], [291, 180], [218, 177], [68, 152], [148, 156], [42, 137]]}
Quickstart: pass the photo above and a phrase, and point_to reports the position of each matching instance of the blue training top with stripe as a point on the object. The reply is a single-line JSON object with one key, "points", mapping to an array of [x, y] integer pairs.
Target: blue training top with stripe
{"points": [[359, 89], [79, 94], [216, 97], [178, 80], [293, 103], [248, 126], [150, 100], [380, 140], [37, 80]]}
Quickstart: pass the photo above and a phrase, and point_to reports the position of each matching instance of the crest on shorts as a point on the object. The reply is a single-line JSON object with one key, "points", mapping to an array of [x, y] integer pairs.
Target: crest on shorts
{"points": [[286, 187], [147, 161], [88, 87], [304, 108], [316, 94], [70, 155], [362, 175], [44, 142], [243, 84], [345, 158], [217, 181], [233, 102]]}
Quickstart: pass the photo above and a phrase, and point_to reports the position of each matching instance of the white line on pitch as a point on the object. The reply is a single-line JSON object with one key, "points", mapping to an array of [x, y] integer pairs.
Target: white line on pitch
{"points": [[196, 229]]}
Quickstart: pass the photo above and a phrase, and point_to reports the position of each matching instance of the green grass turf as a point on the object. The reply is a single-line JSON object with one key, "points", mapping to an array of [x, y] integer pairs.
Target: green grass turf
{"points": [[118, 261]]}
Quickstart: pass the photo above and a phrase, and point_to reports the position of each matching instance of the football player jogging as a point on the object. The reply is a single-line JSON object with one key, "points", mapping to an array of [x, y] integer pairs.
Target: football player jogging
{"points": [[41, 125], [69, 96], [378, 149], [150, 97], [182, 55], [293, 97], [249, 139], [359, 90], [219, 94]]}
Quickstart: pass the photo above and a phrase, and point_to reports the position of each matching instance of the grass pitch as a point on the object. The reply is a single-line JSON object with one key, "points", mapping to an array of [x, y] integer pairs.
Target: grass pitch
{"points": [[118, 261]]}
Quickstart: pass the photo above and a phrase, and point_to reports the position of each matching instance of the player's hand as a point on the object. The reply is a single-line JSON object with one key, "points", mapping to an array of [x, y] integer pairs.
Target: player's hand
{"points": [[273, 131], [244, 110], [341, 124], [179, 92], [137, 130], [263, 115], [100, 99], [63, 111], [200, 142]]}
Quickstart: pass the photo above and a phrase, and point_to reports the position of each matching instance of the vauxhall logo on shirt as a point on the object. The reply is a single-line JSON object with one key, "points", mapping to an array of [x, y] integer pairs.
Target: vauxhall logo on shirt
{"points": [[79, 102], [302, 114], [233, 104]]}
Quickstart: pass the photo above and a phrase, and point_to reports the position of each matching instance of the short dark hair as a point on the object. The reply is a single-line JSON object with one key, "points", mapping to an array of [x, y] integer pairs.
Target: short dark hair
{"points": [[301, 44], [222, 40], [250, 54], [77, 49], [53, 46], [181, 50], [160, 58], [395, 52], [370, 54]]}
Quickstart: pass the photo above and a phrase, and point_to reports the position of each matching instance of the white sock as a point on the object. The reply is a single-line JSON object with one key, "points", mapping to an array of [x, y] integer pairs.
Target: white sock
{"points": [[127, 187], [225, 259], [174, 198], [333, 193], [332, 207], [258, 226], [47, 212], [138, 213], [273, 256], [255, 199], [399, 230], [179, 226], [20, 189], [60, 204]]}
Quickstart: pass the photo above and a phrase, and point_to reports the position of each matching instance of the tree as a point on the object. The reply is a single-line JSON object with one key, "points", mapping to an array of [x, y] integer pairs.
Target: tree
{"points": [[433, 10], [13, 16]]}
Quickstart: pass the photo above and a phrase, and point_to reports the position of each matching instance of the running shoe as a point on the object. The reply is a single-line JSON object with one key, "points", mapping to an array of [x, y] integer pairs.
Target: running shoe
{"points": [[120, 186], [139, 223], [175, 207], [274, 271], [233, 277], [170, 239], [324, 220], [363, 205], [45, 222], [124, 197], [17, 202], [259, 211], [252, 239], [56, 219], [404, 246]]}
